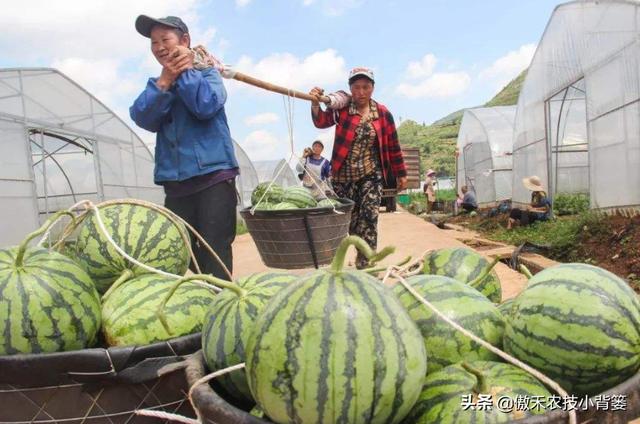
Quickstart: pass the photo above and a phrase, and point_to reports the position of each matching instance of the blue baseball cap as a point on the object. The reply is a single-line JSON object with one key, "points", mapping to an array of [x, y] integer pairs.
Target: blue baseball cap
{"points": [[145, 23]]}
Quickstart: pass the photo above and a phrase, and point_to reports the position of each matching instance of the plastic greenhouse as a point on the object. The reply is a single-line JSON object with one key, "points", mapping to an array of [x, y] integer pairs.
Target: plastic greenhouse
{"points": [[484, 144], [578, 119], [267, 170], [60, 145]]}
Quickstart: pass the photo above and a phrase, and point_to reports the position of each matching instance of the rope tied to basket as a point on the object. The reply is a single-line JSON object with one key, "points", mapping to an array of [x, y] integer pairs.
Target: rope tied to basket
{"points": [[392, 272]]}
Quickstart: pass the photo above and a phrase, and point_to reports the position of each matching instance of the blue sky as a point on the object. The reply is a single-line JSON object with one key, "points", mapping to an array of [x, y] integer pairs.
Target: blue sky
{"points": [[430, 57]]}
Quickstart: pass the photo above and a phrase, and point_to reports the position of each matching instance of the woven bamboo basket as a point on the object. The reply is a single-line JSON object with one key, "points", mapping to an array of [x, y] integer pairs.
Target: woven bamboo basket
{"points": [[213, 408], [298, 238], [96, 385]]}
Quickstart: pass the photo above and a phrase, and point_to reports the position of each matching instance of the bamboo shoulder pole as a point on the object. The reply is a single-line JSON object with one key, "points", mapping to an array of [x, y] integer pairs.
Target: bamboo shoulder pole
{"points": [[239, 76]]}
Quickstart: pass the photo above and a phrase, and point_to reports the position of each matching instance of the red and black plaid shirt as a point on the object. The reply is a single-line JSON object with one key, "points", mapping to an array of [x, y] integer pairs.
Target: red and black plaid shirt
{"points": [[388, 145]]}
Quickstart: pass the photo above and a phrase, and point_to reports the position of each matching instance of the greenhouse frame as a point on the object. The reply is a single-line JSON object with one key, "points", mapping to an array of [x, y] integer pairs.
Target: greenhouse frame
{"points": [[485, 141], [267, 170], [61, 145], [577, 123]]}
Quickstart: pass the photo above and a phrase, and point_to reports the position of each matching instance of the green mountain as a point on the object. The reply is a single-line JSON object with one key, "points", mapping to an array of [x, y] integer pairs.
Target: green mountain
{"points": [[437, 142]]}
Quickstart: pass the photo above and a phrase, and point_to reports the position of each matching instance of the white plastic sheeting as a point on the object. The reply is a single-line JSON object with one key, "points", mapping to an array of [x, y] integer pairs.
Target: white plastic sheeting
{"points": [[485, 141], [248, 179], [60, 145], [267, 170], [578, 118]]}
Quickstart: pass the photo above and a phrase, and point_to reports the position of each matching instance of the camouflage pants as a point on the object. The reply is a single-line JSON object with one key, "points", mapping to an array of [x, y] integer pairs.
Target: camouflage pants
{"points": [[366, 193]]}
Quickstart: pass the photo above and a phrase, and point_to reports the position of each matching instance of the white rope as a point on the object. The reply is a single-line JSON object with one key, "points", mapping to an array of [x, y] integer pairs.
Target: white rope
{"points": [[48, 232], [166, 416], [213, 375], [106, 234], [392, 272]]}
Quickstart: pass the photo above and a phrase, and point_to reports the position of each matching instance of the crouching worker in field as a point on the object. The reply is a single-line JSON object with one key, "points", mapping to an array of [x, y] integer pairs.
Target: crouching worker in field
{"points": [[540, 208], [194, 156], [469, 202]]}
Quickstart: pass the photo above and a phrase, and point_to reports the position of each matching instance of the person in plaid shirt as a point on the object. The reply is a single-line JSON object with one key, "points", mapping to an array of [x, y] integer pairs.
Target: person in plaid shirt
{"points": [[366, 152]]}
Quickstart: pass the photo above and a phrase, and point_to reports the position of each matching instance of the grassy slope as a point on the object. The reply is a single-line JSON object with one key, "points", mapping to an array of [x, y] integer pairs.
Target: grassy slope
{"points": [[437, 142]]}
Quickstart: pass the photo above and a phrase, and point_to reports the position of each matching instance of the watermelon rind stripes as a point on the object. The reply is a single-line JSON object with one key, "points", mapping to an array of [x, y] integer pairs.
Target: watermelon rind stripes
{"points": [[229, 321], [143, 233], [441, 400], [462, 304], [580, 325], [464, 265], [299, 196], [130, 312], [48, 304], [335, 348]]}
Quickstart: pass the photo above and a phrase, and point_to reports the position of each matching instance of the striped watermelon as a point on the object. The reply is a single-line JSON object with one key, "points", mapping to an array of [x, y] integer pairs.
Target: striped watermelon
{"points": [[229, 321], [265, 206], [129, 312], [505, 308], [335, 347], [328, 203], [299, 196], [48, 303], [464, 265], [274, 195], [284, 206], [466, 306], [143, 233], [442, 399], [580, 325]]}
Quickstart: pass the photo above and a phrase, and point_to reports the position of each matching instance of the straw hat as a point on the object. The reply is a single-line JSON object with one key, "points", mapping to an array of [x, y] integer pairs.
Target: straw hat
{"points": [[431, 172], [533, 183]]}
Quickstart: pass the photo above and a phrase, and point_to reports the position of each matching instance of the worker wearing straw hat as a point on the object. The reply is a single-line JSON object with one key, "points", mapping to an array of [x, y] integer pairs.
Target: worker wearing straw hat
{"points": [[540, 208], [194, 155], [366, 152]]}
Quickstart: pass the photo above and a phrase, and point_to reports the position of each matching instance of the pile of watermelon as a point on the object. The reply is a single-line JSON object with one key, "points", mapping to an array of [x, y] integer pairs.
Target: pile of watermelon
{"points": [[270, 196], [333, 346]]}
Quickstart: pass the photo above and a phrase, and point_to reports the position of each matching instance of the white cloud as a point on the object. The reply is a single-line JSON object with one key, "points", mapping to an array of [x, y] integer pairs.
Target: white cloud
{"points": [[507, 67], [334, 7], [261, 119], [423, 68], [242, 3], [308, 2], [438, 85], [262, 145], [320, 68]]}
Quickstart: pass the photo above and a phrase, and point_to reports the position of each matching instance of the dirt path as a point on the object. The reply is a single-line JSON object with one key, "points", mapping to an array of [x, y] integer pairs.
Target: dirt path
{"points": [[411, 236]]}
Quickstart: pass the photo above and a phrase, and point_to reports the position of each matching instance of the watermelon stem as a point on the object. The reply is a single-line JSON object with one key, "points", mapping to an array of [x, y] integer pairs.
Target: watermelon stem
{"points": [[338, 260], [484, 272], [213, 281], [126, 275], [524, 270], [481, 386], [22, 248]]}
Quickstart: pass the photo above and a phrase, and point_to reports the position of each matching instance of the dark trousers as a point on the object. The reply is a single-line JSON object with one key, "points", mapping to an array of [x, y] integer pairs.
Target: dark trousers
{"points": [[469, 207], [525, 217], [366, 193], [212, 212]]}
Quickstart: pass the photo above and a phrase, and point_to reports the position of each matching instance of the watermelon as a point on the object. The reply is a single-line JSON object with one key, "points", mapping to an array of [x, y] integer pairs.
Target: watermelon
{"points": [[328, 203], [299, 196], [274, 195], [467, 266], [129, 311], [578, 324], [446, 392], [505, 308], [265, 206], [48, 303], [284, 206], [145, 234], [335, 347], [466, 306], [229, 321]]}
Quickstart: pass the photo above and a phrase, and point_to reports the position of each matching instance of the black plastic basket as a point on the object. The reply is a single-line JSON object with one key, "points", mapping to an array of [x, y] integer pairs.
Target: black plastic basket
{"points": [[298, 238], [215, 409], [96, 385]]}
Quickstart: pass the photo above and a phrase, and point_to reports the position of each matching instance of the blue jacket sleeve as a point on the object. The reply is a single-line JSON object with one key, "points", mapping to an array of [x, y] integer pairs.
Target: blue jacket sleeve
{"points": [[202, 92], [150, 108], [326, 169]]}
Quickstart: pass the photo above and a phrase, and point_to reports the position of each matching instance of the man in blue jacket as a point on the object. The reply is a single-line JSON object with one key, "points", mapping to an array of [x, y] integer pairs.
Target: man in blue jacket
{"points": [[194, 156]]}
